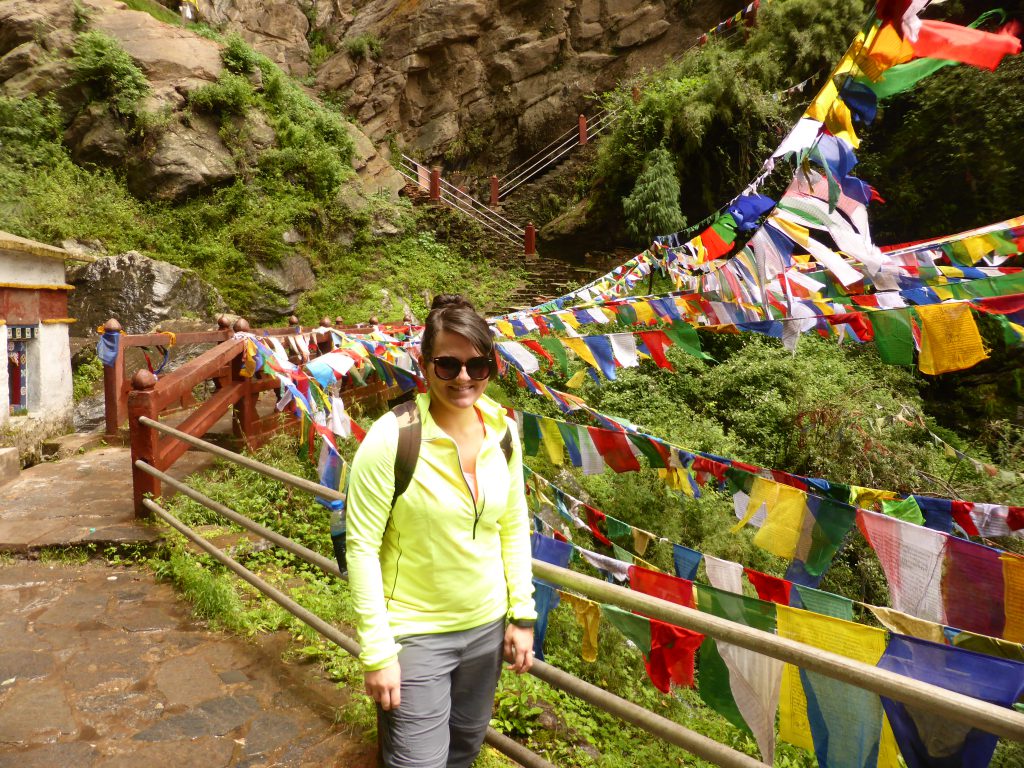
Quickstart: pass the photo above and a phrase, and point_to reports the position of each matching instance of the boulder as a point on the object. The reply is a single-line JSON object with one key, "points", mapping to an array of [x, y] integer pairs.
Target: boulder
{"points": [[20, 58], [23, 21], [96, 137], [138, 291], [275, 28], [289, 279], [164, 52], [185, 160]]}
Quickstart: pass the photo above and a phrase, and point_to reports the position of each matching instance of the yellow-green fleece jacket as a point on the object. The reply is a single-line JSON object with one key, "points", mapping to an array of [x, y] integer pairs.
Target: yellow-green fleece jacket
{"points": [[438, 561]]}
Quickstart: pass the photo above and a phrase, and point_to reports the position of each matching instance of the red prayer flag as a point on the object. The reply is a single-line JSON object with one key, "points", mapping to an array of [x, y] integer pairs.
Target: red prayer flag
{"points": [[962, 515], [536, 347], [614, 449], [671, 659], [770, 588], [1015, 518], [656, 343], [655, 584], [952, 42], [594, 519]]}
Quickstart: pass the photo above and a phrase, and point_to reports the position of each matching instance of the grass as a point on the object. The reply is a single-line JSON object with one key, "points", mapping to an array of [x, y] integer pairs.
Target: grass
{"points": [[157, 11]]}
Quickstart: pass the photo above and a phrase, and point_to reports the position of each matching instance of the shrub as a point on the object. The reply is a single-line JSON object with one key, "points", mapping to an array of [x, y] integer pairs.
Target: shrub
{"points": [[652, 208], [238, 57], [231, 95], [109, 73], [364, 46]]}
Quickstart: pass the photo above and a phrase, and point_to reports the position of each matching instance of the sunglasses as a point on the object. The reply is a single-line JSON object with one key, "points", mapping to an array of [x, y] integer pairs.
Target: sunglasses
{"points": [[447, 368]]}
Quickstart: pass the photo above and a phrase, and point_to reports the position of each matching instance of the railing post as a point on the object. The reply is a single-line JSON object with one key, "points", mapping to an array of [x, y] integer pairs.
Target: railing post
{"points": [[144, 440], [115, 406], [435, 184], [530, 240], [243, 412], [494, 192], [583, 130]]}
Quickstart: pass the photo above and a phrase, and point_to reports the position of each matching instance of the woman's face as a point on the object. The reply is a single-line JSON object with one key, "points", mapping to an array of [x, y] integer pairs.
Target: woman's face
{"points": [[462, 391]]}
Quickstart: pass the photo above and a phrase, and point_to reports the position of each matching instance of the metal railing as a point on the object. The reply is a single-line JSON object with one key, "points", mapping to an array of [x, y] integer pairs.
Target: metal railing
{"points": [[463, 202], [556, 151], [939, 701]]}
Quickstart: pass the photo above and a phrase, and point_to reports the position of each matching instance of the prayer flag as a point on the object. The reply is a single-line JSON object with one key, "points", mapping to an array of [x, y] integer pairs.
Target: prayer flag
{"points": [[949, 338], [928, 740]]}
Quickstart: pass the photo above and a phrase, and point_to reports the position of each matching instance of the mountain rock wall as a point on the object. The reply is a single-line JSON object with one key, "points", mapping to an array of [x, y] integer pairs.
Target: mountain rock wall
{"points": [[467, 79]]}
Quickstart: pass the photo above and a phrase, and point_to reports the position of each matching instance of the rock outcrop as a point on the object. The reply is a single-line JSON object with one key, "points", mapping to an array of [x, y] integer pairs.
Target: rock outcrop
{"points": [[461, 78], [186, 154], [139, 292]]}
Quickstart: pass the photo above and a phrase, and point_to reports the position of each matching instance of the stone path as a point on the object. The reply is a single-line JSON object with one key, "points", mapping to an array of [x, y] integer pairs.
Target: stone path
{"points": [[103, 667]]}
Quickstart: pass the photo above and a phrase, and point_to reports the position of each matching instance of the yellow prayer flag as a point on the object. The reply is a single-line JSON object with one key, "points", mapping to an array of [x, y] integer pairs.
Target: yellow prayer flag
{"points": [[978, 247], [867, 498], [582, 351], [796, 232], [569, 319], [552, 439], [588, 615], [943, 292], [506, 329], [645, 564], [577, 379], [855, 641], [949, 338], [785, 509], [643, 310], [1013, 597]]}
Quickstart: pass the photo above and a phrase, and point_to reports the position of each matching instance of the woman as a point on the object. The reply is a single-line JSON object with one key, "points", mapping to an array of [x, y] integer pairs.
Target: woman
{"points": [[442, 582]]}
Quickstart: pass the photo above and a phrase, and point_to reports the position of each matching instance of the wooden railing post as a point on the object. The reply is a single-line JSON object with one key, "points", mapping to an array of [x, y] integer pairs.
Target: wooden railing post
{"points": [[435, 184], [494, 192], [115, 405], [144, 440], [583, 130], [530, 240]]}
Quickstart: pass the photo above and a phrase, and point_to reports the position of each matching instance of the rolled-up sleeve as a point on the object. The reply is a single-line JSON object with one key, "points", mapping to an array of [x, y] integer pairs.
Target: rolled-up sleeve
{"points": [[515, 538], [370, 491]]}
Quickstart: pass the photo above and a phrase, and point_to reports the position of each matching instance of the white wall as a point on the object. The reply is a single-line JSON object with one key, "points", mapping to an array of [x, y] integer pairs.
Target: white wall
{"points": [[5, 395], [26, 269], [49, 386]]}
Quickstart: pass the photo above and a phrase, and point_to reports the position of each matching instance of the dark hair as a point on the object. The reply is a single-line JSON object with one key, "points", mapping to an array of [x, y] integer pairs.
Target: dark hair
{"points": [[453, 313]]}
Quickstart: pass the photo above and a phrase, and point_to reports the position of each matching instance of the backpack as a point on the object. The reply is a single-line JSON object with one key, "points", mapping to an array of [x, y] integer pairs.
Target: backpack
{"points": [[409, 430]]}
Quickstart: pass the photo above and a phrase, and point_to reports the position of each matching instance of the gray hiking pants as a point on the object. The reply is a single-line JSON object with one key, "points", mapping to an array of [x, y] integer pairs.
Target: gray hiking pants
{"points": [[448, 683]]}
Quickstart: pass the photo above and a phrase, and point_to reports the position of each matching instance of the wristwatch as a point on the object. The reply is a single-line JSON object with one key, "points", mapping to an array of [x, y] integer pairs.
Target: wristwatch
{"points": [[522, 623]]}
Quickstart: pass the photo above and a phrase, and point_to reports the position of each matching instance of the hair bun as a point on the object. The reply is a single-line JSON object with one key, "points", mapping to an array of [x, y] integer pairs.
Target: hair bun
{"points": [[451, 300]]}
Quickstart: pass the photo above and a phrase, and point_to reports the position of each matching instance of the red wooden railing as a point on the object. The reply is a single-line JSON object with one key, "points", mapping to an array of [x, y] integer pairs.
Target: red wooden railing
{"points": [[151, 397]]}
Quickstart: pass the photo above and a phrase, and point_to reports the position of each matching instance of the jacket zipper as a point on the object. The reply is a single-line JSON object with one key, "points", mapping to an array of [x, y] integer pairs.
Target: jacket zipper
{"points": [[476, 511]]}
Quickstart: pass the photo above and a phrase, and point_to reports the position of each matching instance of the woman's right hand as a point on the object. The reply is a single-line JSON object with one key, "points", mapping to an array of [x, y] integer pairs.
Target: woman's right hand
{"points": [[385, 686]]}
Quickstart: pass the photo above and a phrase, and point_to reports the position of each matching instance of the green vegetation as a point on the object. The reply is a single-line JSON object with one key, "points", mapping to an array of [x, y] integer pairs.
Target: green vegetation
{"points": [[295, 183], [652, 208], [109, 74], [157, 11], [85, 377], [364, 46]]}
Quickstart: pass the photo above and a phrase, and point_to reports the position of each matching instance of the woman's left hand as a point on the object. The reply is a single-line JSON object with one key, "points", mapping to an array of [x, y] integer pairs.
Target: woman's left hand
{"points": [[519, 648]]}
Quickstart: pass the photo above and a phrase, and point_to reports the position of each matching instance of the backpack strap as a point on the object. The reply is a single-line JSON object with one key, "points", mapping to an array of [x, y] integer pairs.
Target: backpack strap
{"points": [[409, 431], [506, 445]]}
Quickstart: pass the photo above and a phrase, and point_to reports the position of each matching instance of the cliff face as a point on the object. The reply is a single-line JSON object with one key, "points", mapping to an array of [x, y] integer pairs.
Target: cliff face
{"points": [[467, 78]]}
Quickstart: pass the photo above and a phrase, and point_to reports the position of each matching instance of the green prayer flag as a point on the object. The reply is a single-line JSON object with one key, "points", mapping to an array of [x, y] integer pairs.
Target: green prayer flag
{"points": [[620, 554], [646, 447], [619, 532], [904, 509], [990, 646], [557, 351], [636, 628], [830, 521], [685, 335], [825, 603], [625, 314], [738, 480], [714, 682], [531, 434], [903, 77], [893, 336]]}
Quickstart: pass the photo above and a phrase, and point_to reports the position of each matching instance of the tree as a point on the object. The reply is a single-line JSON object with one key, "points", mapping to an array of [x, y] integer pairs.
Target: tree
{"points": [[652, 208]]}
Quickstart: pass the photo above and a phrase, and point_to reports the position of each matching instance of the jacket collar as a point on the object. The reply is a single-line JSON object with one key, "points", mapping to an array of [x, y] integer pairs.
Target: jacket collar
{"points": [[493, 416]]}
